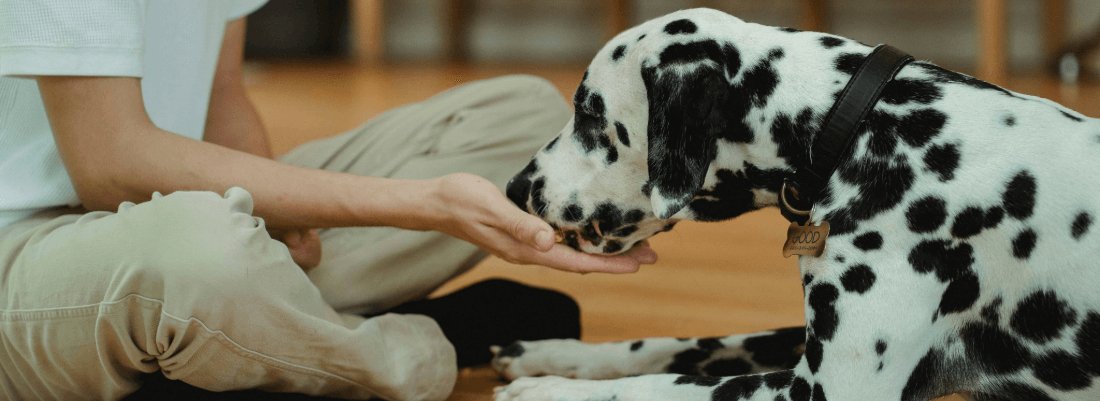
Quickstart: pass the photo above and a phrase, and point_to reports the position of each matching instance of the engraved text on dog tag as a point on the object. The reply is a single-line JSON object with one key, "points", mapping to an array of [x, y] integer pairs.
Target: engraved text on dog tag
{"points": [[806, 240]]}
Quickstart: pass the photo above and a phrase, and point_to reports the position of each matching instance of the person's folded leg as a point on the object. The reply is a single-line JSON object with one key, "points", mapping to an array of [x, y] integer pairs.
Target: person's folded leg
{"points": [[192, 285], [491, 128]]}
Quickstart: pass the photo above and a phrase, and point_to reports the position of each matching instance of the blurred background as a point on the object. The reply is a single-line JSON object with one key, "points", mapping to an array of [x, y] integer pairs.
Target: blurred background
{"points": [[317, 68]]}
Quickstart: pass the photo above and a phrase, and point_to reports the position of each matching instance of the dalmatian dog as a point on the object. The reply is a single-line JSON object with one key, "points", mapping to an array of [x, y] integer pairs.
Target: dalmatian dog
{"points": [[963, 256]]}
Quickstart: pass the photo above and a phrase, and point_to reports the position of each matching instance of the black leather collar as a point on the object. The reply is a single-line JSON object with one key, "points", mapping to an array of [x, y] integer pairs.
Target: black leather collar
{"points": [[834, 143]]}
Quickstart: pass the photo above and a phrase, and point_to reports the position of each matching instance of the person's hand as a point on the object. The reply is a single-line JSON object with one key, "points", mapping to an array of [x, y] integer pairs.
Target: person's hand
{"points": [[476, 211], [304, 246]]}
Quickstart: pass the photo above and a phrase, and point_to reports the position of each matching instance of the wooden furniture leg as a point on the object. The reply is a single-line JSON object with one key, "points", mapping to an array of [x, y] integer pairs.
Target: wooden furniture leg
{"points": [[993, 41]]}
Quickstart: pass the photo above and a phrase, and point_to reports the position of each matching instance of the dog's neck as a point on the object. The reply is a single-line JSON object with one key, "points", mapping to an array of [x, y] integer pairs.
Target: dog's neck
{"points": [[809, 78]]}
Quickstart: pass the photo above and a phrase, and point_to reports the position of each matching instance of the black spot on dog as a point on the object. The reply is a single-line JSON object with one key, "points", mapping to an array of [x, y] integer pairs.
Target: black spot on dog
{"points": [[880, 347], [590, 234], [687, 362], [612, 246], [1070, 116], [1042, 316], [778, 380], [993, 217], [1024, 243], [571, 240], [809, 278], [737, 388], [572, 213], [633, 216], [623, 135], [904, 90], [641, 37], [883, 140], [637, 345], [710, 343], [1010, 120], [819, 393], [858, 279], [946, 260], [882, 186], [993, 349], [780, 349], [702, 381], [814, 354], [625, 231], [800, 390], [868, 241], [789, 29], [1088, 342], [825, 320], [942, 160], [589, 123], [511, 351], [538, 201], [618, 53], [1080, 225], [1061, 371], [1019, 196], [550, 146], [992, 313], [1015, 392], [792, 136], [760, 81], [681, 26], [609, 216], [727, 367], [968, 222], [947, 76], [960, 295], [920, 126], [830, 42], [840, 221], [612, 152], [922, 381], [926, 214], [849, 63]]}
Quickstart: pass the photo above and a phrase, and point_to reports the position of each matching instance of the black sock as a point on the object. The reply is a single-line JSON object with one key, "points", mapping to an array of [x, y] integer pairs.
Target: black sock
{"points": [[498, 312]]}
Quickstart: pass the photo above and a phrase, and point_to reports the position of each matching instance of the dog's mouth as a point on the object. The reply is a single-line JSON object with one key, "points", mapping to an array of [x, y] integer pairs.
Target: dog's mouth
{"points": [[590, 238]]}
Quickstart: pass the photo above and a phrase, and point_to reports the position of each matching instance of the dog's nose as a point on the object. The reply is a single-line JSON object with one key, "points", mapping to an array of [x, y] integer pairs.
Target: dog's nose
{"points": [[518, 190]]}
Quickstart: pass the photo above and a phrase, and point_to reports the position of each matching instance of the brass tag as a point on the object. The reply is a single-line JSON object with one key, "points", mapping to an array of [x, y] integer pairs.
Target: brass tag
{"points": [[806, 240]]}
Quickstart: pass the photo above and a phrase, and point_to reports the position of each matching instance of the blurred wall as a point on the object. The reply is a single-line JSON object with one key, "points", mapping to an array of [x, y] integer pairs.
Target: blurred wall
{"points": [[569, 31]]}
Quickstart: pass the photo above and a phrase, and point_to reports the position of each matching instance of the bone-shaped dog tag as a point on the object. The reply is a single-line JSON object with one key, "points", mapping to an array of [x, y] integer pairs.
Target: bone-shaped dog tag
{"points": [[806, 240]]}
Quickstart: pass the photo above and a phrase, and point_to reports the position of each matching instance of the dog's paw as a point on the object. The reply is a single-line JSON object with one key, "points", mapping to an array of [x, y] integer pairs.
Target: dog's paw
{"points": [[540, 358], [552, 388]]}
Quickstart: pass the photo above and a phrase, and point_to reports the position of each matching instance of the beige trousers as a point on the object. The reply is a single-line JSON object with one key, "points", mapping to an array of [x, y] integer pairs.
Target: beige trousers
{"points": [[192, 285]]}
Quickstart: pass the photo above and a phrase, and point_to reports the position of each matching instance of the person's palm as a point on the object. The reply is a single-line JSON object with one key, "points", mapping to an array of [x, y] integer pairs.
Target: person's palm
{"points": [[479, 213]]}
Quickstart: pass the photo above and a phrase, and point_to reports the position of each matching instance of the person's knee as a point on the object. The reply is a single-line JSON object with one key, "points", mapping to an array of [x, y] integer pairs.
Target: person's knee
{"points": [[196, 240]]}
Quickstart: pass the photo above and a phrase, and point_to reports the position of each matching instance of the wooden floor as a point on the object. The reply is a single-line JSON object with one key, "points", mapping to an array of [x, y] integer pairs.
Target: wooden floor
{"points": [[712, 279]]}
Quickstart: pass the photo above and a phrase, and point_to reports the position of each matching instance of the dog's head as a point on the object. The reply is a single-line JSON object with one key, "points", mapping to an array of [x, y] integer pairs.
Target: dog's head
{"points": [[642, 143]]}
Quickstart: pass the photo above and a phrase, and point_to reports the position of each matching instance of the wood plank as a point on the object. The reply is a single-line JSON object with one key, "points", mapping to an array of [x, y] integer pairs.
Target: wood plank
{"points": [[368, 30], [992, 63]]}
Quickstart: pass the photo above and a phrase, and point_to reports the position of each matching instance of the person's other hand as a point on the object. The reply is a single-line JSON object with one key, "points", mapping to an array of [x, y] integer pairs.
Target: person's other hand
{"points": [[476, 211], [304, 246]]}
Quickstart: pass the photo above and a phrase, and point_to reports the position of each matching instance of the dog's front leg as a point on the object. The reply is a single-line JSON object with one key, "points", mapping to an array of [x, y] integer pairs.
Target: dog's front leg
{"points": [[705, 356], [757, 387]]}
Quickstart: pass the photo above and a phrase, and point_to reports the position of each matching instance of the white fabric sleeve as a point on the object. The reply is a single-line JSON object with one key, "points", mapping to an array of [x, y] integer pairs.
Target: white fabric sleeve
{"points": [[241, 8], [71, 37]]}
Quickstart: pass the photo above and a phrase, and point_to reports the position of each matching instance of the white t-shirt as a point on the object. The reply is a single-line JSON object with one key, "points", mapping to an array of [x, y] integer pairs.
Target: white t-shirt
{"points": [[173, 45]]}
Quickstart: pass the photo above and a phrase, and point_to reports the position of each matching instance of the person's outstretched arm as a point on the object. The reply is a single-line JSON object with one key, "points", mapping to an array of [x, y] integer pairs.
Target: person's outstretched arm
{"points": [[113, 153]]}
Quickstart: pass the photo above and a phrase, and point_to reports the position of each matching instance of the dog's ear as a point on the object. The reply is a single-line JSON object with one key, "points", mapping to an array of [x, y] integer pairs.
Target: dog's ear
{"points": [[686, 116]]}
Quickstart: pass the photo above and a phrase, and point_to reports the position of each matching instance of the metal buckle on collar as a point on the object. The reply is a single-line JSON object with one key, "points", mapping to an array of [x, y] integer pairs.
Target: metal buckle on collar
{"points": [[786, 204]]}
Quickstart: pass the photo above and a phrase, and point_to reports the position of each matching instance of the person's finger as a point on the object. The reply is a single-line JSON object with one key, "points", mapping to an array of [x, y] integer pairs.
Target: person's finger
{"points": [[526, 228], [565, 258]]}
